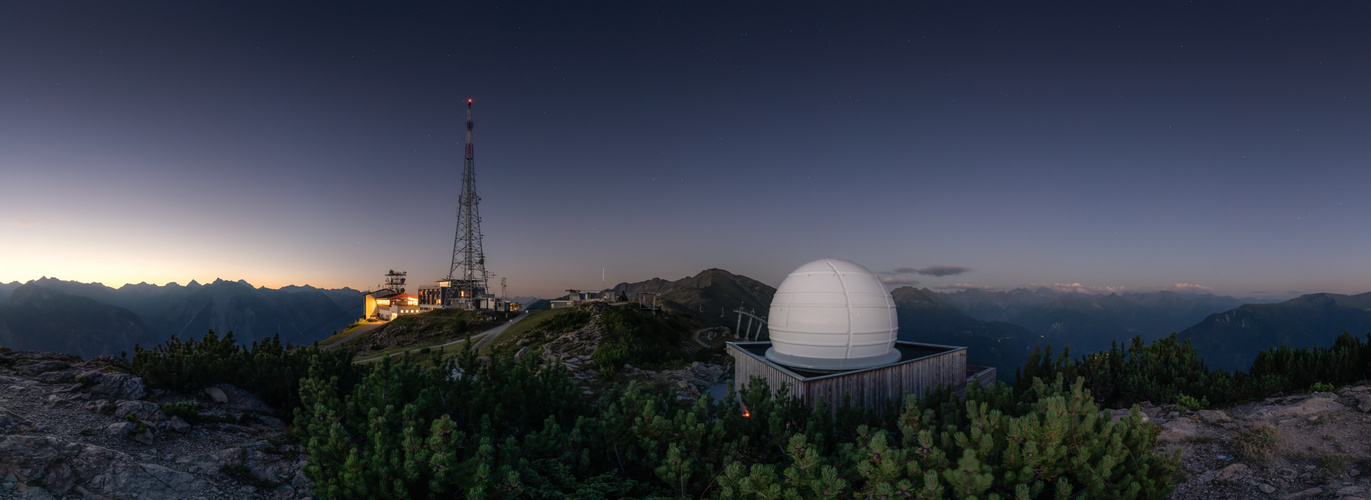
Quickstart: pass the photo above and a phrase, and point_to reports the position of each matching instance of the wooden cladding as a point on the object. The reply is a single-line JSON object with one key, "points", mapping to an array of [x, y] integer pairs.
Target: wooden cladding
{"points": [[931, 366]]}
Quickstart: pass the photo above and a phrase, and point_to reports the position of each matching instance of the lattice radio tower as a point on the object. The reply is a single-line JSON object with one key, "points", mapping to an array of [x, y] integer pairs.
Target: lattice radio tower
{"points": [[468, 271]]}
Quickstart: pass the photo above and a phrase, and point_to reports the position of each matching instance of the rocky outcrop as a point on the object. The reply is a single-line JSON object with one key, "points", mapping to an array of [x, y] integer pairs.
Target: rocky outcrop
{"points": [[574, 350], [71, 428], [1306, 446]]}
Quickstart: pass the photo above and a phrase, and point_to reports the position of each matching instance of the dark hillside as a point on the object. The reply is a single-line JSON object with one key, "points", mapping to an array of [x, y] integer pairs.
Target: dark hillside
{"points": [[709, 297], [924, 317], [1231, 340], [251, 313], [298, 314], [36, 318], [1091, 323], [7, 288]]}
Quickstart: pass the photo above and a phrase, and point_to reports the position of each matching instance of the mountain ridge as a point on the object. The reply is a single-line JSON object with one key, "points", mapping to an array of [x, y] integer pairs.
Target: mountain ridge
{"points": [[299, 314], [1311, 319]]}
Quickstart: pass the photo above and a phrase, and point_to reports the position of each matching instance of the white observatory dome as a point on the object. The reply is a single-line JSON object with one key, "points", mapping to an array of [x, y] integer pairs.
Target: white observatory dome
{"points": [[832, 315]]}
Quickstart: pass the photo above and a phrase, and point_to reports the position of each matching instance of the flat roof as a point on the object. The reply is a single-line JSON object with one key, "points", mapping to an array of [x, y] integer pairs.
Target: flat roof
{"points": [[909, 353]]}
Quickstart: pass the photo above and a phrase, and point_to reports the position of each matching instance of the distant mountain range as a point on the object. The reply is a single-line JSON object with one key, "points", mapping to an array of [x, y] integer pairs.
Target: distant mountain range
{"points": [[40, 319], [90, 319], [709, 297], [1231, 340], [925, 317], [998, 327]]}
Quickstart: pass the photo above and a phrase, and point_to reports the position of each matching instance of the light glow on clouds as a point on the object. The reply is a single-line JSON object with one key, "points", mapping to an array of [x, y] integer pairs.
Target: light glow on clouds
{"points": [[965, 286], [891, 280]]}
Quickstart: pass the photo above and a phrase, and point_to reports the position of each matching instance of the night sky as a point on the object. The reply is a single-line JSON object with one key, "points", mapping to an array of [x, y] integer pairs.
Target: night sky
{"points": [[1210, 146]]}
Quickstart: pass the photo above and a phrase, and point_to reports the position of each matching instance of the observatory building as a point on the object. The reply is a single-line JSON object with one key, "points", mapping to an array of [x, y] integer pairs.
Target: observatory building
{"points": [[833, 332]]}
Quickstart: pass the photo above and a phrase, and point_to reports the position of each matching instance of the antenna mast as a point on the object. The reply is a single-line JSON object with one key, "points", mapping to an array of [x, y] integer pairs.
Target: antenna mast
{"points": [[468, 271]]}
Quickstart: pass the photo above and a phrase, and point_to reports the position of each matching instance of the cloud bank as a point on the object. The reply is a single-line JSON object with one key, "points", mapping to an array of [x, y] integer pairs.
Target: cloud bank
{"points": [[938, 271], [1105, 290]]}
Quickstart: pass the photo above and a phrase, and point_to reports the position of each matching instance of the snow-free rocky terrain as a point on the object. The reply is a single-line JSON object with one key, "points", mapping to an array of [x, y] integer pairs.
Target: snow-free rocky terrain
{"points": [[1305, 446], [66, 432]]}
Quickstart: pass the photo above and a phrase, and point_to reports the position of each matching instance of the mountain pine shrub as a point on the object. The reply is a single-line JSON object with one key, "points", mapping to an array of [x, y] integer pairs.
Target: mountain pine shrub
{"points": [[505, 428], [268, 368], [1168, 370]]}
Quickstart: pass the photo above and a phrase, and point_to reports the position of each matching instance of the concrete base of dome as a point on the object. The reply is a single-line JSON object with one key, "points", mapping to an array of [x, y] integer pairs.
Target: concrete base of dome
{"points": [[832, 364]]}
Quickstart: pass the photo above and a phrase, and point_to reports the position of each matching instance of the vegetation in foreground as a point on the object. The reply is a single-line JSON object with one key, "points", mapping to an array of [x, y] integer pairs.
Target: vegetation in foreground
{"points": [[1171, 371], [268, 368], [506, 428]]}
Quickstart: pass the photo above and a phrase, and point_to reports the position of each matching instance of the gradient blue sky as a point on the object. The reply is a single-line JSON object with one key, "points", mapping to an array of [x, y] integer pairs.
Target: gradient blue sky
{"points": [[1218, 145]]}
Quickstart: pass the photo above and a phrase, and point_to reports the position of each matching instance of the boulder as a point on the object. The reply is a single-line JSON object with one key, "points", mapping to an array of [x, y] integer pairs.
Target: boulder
{"points": [[34, 369], [179, 425], [1213, 417], [1313, 406], [1178, 431], [114, 386], [120, 429], [217, 394], [1231, 472], [151, 481], [272, 422], [56, 377], [241, 400], [145, 410], [1362, 400], [59, 401]]}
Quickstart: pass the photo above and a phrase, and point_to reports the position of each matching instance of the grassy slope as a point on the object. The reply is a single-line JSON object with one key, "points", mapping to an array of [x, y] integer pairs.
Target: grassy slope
{"points": [[421, 330], [508, 341], [341, 335]]}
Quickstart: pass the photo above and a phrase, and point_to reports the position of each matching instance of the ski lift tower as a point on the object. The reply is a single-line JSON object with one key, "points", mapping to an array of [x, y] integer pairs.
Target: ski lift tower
{"points": [[467, 280]]}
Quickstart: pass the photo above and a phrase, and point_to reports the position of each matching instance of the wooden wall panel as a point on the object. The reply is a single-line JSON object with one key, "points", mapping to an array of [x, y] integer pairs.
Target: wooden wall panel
{"points": [[869, 388]]}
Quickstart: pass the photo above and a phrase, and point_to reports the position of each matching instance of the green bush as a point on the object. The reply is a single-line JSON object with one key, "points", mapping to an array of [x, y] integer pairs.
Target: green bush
{"points": [[267, 368], [1191, 403], [187, 410], [635, 337], [1322, 387], [1168, 369], [505, 428], [568, 321]]}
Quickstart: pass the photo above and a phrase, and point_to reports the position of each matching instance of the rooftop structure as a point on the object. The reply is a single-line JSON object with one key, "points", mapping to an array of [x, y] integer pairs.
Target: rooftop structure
{"points": [[833, 334], [832, 315]]}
